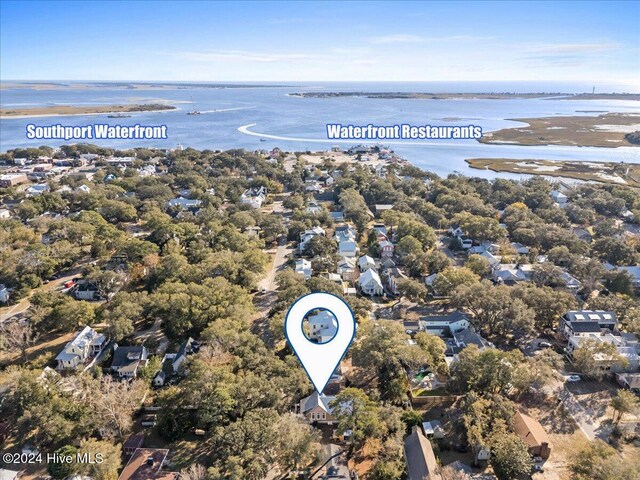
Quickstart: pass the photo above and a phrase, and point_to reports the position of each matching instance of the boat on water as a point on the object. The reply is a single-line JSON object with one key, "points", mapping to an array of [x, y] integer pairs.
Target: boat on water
{"points": [[263, 139], [119, 115], [194, 111]]}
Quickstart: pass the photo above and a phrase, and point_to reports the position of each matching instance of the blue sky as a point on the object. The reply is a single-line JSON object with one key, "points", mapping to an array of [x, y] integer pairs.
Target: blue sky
{"points": [[321, 41]]}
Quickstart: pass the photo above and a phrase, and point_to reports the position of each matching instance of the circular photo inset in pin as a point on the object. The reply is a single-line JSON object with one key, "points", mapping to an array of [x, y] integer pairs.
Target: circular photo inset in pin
{"points": [[319, 325]]}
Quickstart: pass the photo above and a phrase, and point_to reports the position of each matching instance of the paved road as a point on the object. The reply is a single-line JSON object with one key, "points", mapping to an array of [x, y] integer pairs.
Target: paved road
{"points": [[23, 305], [589, 421], [268, 282]]}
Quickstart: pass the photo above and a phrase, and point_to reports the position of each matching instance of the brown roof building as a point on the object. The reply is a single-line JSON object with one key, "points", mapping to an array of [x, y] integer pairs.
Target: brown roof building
{"points": [[532, 434], [421, 461]]}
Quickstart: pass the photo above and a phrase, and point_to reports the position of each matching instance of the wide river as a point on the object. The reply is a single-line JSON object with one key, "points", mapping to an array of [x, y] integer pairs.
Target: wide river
{"points": [[241, 117]]}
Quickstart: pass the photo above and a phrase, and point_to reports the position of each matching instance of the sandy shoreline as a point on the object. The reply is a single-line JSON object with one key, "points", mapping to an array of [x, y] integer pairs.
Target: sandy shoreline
{"points": [[70, 110]]}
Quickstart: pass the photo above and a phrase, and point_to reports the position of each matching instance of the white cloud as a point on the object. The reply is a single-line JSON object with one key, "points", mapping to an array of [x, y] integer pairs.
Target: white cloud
{"points": [[565, 48], [241, 56], [399, 38]]}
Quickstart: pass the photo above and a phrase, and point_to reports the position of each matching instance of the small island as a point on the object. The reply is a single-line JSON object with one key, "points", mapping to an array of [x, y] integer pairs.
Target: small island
{"points": [[470, 96], [607, 130], [616, 173], [84, 110]]}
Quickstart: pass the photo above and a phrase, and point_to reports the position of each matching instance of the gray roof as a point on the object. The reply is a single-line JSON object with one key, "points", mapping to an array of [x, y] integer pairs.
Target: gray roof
{"points": [[584, 327], [600, 316], [128, 357]]}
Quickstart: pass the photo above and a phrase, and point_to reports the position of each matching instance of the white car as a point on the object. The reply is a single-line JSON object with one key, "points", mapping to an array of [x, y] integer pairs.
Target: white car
{"points": [[573, 378]]}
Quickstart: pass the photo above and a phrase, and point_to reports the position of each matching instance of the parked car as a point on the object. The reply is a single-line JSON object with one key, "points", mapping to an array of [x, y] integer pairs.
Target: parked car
{"points": [[544, 345], [573, 378], [538, 469]]}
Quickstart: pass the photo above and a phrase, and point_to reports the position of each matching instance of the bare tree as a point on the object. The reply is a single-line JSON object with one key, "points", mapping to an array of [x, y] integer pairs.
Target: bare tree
{"points": [[17, 336], [115, 402], [194, 472]]}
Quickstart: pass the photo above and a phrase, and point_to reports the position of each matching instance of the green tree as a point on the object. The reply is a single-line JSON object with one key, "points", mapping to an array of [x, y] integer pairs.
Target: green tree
{"points": [[594, 358], [61, 470], [509, 456], [624, 402], [453, 277]]}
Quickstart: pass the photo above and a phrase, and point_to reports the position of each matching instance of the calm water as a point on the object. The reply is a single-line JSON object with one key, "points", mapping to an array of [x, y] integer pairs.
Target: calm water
{"points": [[294, 123]]}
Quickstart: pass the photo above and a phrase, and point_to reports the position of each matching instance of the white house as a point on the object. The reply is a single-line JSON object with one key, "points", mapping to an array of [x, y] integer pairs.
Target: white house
{"points": [[35, 190], [314, 208], [184, 203], [4, 294], [560, 198], [370, 283], [307, 235], [365, 263], [303, 267], [254, 197], [441, 324], [344, 232], [322, 326], [86, 343]]}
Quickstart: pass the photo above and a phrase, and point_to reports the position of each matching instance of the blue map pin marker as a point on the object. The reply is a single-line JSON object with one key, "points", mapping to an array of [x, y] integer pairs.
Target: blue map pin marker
{"points": [[320, 360]]}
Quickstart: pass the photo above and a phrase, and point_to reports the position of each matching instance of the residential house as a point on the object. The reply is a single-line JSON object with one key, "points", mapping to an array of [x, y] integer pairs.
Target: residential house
{"points": [[560, 198], [12, 179], [303, 267], [177, 359], [463, 339], [147, 464], [532, 434], [634, 272], [381, 208], [370, 283], [386, 249], [365, 263], [321, 327], [625, 344], [444, 324], [344, 232], [4, 293], [35, 190], [568, 325], [128, 360], [317, 408], [337, 216], [307, 235], [254, 197], [630, 381], [347, 268], [314, 208], [348, 248], [381, 231], [392, 276], [86, 290], [4, 214], [184, 203], [87, 343], [421, 461]]}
